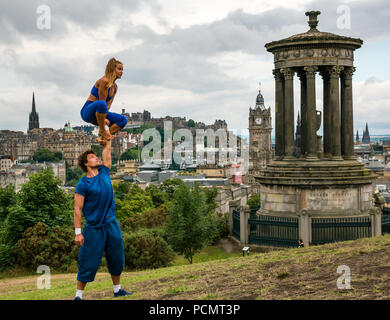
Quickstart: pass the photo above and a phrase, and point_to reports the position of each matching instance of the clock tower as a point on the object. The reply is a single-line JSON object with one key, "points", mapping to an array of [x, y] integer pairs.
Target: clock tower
{"points": [[260, 147]]}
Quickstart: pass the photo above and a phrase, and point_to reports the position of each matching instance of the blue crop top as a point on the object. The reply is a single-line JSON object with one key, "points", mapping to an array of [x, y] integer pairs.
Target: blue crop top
{"points": [[95, 93]]}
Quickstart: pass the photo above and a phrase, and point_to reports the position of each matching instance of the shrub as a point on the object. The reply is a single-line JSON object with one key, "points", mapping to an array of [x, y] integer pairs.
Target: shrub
{"points": [[223, 224], [41, 245], [39, 200], [254, 201], [8, 198], [146, 248], [150, 219], [6, 257], [158, 196]]}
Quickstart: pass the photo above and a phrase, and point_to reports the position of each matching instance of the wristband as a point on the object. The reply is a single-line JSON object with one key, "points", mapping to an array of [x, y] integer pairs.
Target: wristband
{"points": [[77, 231]]}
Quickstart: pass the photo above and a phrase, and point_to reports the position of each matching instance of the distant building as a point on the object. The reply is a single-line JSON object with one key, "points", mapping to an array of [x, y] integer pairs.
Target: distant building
{"points": [[33, 121], [17, 145], [71, 143], [6, 162], [366, 135], [376, 166], [19, 174], [260, 127]]}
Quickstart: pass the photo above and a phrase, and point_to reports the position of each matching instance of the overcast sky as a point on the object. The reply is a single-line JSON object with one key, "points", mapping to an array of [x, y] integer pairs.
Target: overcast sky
{"points": [[201, 59]]}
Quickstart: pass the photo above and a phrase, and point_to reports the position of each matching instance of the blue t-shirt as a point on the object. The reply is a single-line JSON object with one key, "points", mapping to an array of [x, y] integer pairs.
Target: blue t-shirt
{"points": [[99, 201]]}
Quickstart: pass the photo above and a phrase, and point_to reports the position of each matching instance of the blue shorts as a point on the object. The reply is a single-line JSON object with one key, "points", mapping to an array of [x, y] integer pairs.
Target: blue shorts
{"points": [[107, 238], [91, 107]]}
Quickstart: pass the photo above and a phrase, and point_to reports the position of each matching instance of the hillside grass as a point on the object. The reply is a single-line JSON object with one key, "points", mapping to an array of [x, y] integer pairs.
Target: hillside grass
{"points": [[301, 273]]}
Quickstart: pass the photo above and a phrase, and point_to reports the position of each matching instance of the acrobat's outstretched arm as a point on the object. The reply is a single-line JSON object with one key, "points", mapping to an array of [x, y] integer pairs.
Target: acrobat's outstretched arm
{"points": [[106, 154]]}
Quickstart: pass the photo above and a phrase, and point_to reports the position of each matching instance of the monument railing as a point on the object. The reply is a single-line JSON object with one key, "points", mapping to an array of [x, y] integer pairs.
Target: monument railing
{"points": [[386, 220], [327, 230], [236, 223], [273, 231]]}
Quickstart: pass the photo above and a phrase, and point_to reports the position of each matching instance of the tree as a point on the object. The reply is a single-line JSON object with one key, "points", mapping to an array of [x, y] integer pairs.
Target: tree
{"points": [[133, 200], [58, 156], [121, 189], [142, 128], [191, 123], [188, 226], [158, 196], [73, 175], [39, 200], [97, 149], [130, 154], [211, 194], [133, 205], [169, 186], [8, 198], [43, 155]]}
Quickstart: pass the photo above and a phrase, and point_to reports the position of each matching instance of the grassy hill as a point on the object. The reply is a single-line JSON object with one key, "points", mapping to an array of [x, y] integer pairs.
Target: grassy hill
{"points": [[301, 273]]}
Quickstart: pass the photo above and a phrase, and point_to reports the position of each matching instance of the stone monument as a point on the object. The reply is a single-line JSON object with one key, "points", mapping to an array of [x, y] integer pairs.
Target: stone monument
{"points": [[326, 180]]}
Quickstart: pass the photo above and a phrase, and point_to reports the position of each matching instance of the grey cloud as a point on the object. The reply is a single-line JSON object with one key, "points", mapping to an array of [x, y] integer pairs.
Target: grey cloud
{"points": [[369, 19], [18, 18]]}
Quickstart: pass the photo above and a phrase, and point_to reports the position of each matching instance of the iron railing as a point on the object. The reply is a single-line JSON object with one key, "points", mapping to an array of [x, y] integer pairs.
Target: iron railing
{"points": [[326, 230], [236, 223], [273, 231]]}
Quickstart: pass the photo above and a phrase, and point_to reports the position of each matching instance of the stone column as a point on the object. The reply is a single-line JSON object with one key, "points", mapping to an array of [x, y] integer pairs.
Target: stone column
{"points": [[334, 106], [245, 213], [311, 138], [304, 225], [347, 114], [326, 113], [233, 205], [279, 118], [302, 78], [288, 113]]}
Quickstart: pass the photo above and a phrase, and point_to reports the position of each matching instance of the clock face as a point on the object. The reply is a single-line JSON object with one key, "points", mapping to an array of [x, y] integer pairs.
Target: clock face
{"points": [[258, 120]]}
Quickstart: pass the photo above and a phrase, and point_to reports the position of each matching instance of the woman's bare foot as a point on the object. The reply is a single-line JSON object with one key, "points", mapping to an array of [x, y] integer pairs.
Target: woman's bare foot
{"points": [[106, 135], [101, 141]]}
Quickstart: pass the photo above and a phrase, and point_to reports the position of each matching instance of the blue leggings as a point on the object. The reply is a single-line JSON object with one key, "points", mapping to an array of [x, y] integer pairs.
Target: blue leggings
{"points": [[90, 107]]}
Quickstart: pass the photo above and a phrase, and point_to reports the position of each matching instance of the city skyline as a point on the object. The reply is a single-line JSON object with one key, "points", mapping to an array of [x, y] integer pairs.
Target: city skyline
{"points": [[197, 60]]}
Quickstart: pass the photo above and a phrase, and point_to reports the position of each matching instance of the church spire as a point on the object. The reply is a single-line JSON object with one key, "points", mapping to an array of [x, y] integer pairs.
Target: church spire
{"points": [[33, 104], [366, 135], [33, 122]]}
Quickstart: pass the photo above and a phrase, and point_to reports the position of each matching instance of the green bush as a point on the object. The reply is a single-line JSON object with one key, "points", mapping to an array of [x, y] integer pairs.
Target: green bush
{"points": [[223, 224], [146, 249], [150, 219], [18, 220], [8, 198], [254, 201], [39, 200], [158, 196], [42, 245], [7, 258]]}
